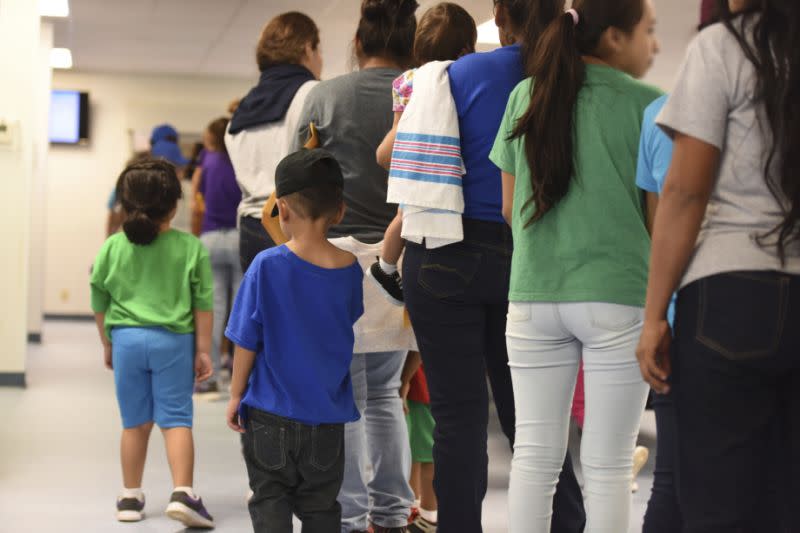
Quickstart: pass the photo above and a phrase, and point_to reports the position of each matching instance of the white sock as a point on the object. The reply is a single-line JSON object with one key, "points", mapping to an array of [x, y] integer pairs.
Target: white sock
{"points": [[132, 493], [417, 503], [387, 267], [187, 490], [430, 516]]}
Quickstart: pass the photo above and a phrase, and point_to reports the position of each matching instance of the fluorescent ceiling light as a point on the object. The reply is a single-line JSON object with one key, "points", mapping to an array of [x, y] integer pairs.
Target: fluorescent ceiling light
{"points": [[54, 8], [488, 33], [61, 58]]}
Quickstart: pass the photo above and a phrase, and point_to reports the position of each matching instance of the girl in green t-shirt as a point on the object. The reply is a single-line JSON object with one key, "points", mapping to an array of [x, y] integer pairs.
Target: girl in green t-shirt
{"points": [[152, 295], [568, 151]]}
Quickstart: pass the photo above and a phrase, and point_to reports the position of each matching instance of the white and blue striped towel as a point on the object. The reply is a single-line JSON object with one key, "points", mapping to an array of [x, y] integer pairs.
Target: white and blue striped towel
{"points": [[425, 176]]}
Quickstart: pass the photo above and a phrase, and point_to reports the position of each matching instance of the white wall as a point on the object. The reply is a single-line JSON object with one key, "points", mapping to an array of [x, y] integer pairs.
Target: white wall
{"points": [[38, 213], [19, 63], [677, 22], [80, 179]]}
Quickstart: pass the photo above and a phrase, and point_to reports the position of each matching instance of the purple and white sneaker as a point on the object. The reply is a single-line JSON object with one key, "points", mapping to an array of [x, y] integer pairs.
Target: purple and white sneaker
{"points": [[189, 511], [130, 509]]}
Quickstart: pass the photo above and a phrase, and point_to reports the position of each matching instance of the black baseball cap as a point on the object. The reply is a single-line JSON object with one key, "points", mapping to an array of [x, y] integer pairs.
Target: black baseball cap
{"points": [[304, 169]]}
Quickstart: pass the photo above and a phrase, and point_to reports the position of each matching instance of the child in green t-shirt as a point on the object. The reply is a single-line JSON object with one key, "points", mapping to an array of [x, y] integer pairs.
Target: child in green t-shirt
{"points": [[152, 295]]}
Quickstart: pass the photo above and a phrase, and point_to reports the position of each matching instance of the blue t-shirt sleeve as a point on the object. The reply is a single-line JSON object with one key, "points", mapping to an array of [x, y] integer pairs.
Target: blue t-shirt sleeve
{"points": [[245, 324], [655, 151]]}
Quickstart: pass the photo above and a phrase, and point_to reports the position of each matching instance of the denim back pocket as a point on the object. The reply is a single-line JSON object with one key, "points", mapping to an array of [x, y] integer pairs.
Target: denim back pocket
{"points": [[326, 445], [614, 317], [269, 445], [742, 315], [447, 272]]}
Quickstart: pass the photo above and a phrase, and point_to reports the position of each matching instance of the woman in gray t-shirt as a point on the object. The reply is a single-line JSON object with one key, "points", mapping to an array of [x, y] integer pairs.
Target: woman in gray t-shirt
{"points": [[727, 234], [352, 114]]}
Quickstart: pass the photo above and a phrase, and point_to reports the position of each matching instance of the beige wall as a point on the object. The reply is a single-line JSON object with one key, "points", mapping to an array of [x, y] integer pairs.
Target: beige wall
{"points": [[20, 65], [80, 178]]}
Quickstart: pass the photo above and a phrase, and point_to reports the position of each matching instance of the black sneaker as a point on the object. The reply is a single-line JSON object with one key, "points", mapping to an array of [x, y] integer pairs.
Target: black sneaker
{"points": [[189, 511], [390, 284], [130, 509], [420, 525]]}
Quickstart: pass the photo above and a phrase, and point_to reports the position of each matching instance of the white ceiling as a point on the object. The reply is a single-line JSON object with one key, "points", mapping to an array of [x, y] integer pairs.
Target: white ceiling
{"points": [[218, 37], [202, 37]]}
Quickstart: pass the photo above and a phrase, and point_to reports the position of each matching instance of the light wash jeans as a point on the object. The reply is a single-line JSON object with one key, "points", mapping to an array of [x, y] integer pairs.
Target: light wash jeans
{"points": [[223, 250], [546, 342], [376, 445]]}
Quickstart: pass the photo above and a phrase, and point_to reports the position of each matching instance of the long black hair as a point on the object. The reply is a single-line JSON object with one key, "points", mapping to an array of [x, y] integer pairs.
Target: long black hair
{"points": [[556, 65], [769, 35], [148, 191], [533, 17]]}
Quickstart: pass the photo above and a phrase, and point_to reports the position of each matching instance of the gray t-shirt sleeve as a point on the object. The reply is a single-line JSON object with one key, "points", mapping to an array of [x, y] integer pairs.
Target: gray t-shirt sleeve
{"points": [[700, 103]]}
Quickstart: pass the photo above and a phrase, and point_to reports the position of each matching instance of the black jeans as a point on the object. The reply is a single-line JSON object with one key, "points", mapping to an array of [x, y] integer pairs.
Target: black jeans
{"points": [[457, 299], [736, 366], [295, 469], [663, 512], [253, 239]]}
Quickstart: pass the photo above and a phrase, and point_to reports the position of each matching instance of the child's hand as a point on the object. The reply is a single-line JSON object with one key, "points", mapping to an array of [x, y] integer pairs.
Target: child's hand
{"points": [[107, 356], [404, 395], [202, 366], [232, 415]]}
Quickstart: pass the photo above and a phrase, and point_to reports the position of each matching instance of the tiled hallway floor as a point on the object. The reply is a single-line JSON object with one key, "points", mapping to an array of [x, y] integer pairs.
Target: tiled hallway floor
{"points": [[59, 469]]}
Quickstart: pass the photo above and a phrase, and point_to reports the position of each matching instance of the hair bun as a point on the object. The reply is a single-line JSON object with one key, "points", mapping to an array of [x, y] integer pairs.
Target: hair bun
{"points": [[388, 10]]}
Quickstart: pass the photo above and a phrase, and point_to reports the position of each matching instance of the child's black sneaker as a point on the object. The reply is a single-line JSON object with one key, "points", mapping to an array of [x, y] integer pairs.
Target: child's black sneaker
{"points": [[420, 525], [130, 509], [189, 511], [390, 284]]}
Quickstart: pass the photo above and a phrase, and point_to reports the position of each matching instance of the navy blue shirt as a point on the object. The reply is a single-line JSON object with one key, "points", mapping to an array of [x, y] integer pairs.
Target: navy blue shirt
{"points": [[481, 84], [299, 319]]}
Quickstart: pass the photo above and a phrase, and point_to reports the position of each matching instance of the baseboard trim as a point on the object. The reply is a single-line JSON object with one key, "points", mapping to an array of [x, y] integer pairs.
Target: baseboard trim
{"points": [[12, 379], [69, 317], [34, 338]]}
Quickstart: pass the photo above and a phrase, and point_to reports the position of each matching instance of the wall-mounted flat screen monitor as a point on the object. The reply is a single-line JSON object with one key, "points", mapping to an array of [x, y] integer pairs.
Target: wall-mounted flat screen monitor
{"points": [[69, 117]]}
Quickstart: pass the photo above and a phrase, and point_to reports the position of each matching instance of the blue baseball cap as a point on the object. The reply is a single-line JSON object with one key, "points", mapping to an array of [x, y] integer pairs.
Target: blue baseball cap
{"points": [[163, 132], [169, 151]]}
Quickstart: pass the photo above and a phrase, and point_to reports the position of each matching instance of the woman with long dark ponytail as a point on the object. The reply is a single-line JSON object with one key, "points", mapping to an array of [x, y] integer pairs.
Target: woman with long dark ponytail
{"points": [[727, 235], [457, 295], [568, 148]]}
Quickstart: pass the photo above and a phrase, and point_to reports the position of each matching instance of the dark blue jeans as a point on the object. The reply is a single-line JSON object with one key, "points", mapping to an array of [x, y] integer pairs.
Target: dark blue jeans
{"points": [[736, 368], [294, 469], [663, 512], [253, 239], [457, 298]]}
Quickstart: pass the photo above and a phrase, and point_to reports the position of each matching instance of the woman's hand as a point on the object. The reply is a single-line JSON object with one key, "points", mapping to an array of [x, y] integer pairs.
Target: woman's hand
{"points": [[653, 354]]}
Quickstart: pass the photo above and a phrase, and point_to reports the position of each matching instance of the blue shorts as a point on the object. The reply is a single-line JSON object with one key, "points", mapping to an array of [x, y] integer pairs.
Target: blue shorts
{"points": [[154, 376]]}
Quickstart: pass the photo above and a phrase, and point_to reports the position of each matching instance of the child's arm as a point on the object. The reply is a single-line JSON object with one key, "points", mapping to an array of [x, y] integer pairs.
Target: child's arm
{"points": [[651, 203], [413, 362], [100, 320], [384, 152], [203, 321], [243, 360]]}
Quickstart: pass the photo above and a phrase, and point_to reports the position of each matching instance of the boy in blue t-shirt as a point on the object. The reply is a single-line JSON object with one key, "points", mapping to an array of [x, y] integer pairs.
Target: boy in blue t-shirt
{"points": [[292, 324]]}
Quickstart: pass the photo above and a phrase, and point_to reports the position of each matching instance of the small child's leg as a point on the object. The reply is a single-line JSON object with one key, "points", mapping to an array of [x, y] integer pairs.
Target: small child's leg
{"points": [[180, 454], [384, 271], [414, 481], [428, 502], [133, 453], [393, 244]]}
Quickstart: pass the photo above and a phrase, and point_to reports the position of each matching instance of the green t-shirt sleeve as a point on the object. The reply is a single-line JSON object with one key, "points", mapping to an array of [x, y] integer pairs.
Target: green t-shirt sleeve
{"points": [[100, 297], [202, 281], [503, 152]]}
